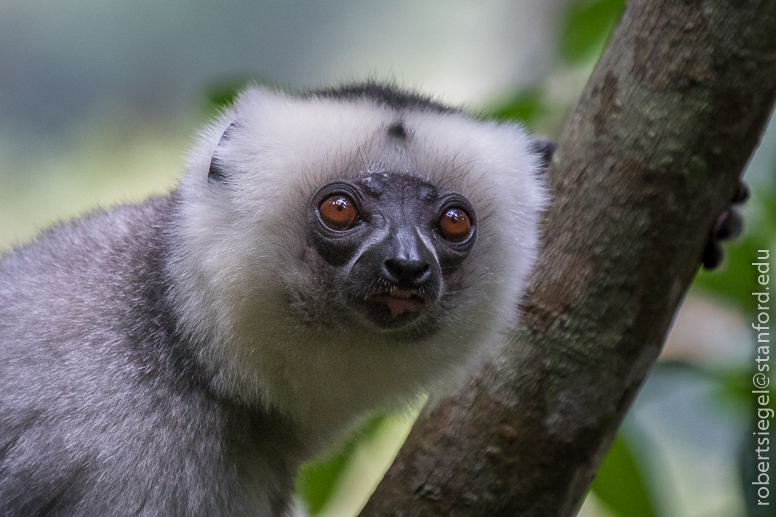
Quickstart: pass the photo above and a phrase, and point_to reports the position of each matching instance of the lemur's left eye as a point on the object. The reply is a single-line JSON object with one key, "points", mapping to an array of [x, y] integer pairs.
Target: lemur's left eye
{"points": [[455, 225], [338, 212]]}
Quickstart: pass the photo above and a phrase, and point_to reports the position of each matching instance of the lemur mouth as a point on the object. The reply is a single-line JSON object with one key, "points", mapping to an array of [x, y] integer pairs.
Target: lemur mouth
{"points": [[399, 301]]}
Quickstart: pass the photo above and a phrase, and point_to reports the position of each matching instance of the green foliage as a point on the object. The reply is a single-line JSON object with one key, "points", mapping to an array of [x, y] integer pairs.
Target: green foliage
{"points": [[619, 484], [526, 107], [586, 28], [222, 93], [318, 478], [734, 284]]}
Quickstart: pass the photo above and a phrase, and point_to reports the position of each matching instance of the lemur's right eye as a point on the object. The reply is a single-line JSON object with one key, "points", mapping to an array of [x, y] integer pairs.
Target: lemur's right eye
{"points": [[338, 212]]}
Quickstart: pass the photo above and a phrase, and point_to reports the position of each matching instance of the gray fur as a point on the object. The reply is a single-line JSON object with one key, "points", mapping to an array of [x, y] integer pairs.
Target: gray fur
{"points": [[104, 410], [184, 355]]}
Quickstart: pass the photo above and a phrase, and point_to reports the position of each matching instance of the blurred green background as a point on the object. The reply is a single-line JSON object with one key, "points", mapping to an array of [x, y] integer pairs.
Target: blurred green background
{"points": [[99, 101]]}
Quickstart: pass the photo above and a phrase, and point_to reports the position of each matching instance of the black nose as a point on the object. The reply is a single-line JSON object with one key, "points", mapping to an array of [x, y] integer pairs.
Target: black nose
{"points": [[407, 272]]}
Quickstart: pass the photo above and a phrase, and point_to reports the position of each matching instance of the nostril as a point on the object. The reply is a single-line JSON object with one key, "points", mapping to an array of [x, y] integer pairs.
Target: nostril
{"points": [[402, 270]]}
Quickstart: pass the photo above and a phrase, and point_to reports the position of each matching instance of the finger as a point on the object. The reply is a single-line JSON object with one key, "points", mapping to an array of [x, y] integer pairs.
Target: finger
{"points": [[729, 226], [742, 193], [712, 256]]}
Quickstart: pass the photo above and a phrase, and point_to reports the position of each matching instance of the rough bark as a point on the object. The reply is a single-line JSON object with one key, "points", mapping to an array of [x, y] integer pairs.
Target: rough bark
{"points": [[648, 160]]}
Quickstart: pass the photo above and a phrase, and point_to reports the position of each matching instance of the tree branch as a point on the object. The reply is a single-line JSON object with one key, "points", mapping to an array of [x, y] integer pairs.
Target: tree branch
{"points": [[649, 159]]}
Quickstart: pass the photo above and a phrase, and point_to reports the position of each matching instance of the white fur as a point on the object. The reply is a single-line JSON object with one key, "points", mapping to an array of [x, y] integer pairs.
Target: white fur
{"points": [[240, 245]]}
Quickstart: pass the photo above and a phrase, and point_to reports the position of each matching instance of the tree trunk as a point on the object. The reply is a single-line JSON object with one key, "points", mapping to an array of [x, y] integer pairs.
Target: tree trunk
{"points": [[648, 160]]}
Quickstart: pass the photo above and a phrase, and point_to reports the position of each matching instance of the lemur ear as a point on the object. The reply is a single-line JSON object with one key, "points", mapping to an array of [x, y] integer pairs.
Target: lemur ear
{"points": [[216, 171], [544, 149]]}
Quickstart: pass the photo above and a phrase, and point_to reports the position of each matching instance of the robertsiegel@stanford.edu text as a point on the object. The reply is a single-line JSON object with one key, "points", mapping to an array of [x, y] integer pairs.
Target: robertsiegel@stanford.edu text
{"points": [[761, 379]]}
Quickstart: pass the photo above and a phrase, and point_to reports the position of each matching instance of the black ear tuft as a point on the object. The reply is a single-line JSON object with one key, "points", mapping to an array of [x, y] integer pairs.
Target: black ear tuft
{"points": [[217, 170], [397, 130], [545, 150]]}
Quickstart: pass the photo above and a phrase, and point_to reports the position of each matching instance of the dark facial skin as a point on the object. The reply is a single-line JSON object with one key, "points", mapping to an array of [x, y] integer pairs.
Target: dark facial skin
{"points": [[392, 240]]}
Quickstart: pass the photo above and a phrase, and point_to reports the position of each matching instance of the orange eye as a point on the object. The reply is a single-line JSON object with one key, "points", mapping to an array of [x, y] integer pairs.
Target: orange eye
{"points": [[454, 225], [338, 212]]}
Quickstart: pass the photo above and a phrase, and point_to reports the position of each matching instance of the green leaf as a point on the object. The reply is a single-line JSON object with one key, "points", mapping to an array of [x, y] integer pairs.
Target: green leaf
{"points": [[619, 484], [586, 28], [318, 478]]}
